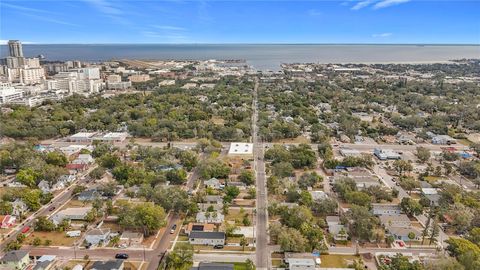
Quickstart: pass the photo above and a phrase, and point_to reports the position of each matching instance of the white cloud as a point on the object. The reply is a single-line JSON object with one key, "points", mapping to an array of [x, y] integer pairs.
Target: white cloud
{"points": [[169, 27], [376, 4], [388, 3], [362, 4], [382, 35], [21, 8], [105, 7]]}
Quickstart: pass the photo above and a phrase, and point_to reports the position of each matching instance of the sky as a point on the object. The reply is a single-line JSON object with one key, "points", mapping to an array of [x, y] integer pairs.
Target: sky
{"points": [[235, 21]]}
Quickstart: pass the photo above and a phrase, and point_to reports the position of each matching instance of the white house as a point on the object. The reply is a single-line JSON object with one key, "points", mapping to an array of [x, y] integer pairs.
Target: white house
{"points": [[97, 236], [83, 159], [387, 209], [443, 139], [338, 230], [395, 221], [300, 263], [206, 238], [384, 154], [19, 208]]}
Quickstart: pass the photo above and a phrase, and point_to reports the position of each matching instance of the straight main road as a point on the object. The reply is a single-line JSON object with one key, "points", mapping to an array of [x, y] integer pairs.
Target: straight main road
{"points": [[56, 202], [262, 253]]}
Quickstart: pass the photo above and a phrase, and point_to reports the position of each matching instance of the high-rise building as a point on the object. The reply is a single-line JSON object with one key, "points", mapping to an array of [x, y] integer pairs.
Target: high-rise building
{"points": [[15, 48]]}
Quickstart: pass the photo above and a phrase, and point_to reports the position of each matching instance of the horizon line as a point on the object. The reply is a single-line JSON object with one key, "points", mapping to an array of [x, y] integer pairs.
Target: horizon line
{"points": [[252, 43]]}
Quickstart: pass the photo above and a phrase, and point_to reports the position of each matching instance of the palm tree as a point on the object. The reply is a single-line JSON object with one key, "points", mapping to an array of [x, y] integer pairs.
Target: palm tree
{"points": [[243, 242]]}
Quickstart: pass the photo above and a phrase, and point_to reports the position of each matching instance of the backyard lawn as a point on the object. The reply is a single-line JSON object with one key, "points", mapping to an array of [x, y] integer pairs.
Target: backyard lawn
{"points": [[337, 261], [57, 238]]}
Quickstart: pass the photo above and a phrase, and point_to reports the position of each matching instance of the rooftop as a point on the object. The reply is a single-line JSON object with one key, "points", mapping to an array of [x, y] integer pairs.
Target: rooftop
{"points": [[238, 148], [207, 235]]}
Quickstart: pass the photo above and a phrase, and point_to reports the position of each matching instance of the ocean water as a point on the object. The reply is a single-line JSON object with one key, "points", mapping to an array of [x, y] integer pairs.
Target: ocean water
{"points": [[260, 56]]}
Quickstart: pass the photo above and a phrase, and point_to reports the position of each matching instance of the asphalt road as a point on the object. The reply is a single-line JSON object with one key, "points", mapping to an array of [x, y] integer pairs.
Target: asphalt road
{"points": [[387, 180], [58, 201], [262, 254]]}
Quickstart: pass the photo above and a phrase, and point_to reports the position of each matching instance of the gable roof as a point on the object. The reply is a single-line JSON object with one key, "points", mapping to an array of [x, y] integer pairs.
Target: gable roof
{"points": [[207, 235], [214, 266], [14, 256], [107, 265]]}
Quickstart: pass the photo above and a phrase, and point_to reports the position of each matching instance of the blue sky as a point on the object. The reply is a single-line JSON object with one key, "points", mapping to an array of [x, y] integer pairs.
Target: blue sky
{"points": [[154, 21]]}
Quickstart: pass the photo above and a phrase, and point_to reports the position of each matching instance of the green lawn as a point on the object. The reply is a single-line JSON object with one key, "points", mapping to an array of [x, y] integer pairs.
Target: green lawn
{"points": [[337, 261]]}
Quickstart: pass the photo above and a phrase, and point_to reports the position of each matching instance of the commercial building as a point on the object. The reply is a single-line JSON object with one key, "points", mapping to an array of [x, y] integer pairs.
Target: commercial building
{"points": [[8, 93], [139, 78], [15, 48]]}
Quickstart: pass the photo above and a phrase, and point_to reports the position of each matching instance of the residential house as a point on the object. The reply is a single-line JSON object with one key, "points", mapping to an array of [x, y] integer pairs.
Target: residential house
{"points": [[76, 213], [83, 159], [401, 233], [213, 266], [199, 227], [19, 208], [108, 265], [45, 262], [213, 199], [213, 183], [318, 195], [239, 185], [15, 260], [338, 230], [209, 206], [89, 195], [131, 239], [386, 209], [443, 139], [44, 186], [386, 154], [431, 194], [395, 221], [300, 264], [76, 168], [97, 237], [206, 238], [7, 221], [210, 217]]}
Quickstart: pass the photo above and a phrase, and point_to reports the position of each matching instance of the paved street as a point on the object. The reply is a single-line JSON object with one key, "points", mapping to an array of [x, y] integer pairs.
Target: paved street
{"points": [[56, 202], [263, 256], [387, 180]]}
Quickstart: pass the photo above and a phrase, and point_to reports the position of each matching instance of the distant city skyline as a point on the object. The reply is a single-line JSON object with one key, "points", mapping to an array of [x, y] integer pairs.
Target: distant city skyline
{"points": [[294, 22]]}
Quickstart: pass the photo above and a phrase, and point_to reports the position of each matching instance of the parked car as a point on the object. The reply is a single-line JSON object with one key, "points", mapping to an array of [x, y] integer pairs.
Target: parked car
{"points": [[122, 256], [51, 208], [218, 246]]}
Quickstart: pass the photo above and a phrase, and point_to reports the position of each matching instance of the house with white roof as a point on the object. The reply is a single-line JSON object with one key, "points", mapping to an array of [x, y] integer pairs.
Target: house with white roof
{"points": [[210, 217], [241, 149]]}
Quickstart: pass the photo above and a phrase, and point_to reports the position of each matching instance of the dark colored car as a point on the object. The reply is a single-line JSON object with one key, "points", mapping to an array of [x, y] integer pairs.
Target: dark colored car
{"points": [[51, 208], [122, 256], [218, 246]]}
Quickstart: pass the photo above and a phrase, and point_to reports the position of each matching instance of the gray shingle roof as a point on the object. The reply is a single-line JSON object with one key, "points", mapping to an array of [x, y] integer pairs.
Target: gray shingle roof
{"points": [[14, 256], [207, 235], [107, 265]]}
